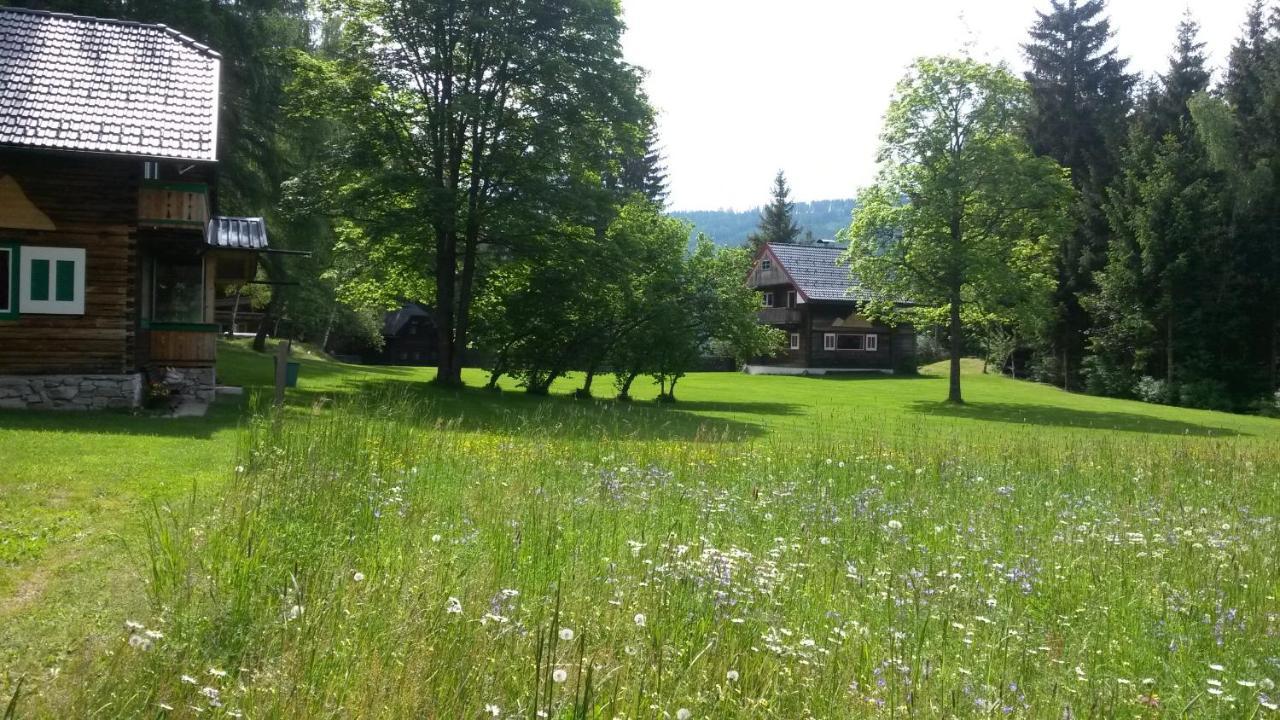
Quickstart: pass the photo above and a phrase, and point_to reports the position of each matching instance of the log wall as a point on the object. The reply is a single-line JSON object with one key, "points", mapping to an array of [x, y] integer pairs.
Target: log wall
{"points": [[92, 202]]}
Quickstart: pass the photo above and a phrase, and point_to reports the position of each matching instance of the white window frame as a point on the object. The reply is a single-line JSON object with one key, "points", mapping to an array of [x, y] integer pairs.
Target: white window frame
{"points": [[767, 300], [150, 170], [766, 264], [795, 341], [831, 342], [13, 298], [74, 306]]}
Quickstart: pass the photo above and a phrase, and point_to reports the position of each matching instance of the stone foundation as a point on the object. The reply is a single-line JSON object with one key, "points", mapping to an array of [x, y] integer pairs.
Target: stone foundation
{"points": [[70, 392], [188, 384]]}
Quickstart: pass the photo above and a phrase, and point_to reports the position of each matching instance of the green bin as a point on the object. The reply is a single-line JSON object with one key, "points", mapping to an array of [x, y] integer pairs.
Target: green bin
{"points": [[290, 373]]}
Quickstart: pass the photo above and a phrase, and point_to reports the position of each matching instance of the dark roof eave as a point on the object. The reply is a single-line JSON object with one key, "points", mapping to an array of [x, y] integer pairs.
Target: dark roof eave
{"points": [[57, 150]]}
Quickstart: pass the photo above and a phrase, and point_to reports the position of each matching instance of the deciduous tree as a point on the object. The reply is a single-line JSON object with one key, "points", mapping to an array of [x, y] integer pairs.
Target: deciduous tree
{"points": [[963, 219]]}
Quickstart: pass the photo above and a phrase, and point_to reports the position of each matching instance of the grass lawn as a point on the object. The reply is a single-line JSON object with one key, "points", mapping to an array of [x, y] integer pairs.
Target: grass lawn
{"points": [[766, 547]]}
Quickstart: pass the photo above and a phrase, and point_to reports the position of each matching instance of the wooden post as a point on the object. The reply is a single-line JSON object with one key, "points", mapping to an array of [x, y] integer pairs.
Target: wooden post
{"points": [[282, 369]]}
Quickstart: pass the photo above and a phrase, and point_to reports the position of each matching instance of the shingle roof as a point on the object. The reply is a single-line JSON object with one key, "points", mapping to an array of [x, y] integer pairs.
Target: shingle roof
{"points": [[818, 271], [395, 320], [236, 233], [69, 82]]}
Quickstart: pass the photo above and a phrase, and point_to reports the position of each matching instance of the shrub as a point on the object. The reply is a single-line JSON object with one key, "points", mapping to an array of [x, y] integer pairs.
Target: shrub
{"points": [[1151, 390], [1103, 377], [1205, 394]]}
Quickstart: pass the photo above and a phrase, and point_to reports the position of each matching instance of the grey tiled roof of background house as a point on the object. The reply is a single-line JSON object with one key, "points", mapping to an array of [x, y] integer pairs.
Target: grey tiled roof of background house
{"points": [[819, 272], [237, 233], [77, 83]]}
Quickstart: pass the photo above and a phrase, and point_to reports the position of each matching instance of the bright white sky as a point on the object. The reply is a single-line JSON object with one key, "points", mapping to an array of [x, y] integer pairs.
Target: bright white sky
{"points": [[747, 87]]}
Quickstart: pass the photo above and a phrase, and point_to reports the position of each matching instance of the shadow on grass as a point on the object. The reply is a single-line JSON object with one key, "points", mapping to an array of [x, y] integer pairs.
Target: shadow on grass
{"points": [[1047, 415], [516, 413], [225, 413]]}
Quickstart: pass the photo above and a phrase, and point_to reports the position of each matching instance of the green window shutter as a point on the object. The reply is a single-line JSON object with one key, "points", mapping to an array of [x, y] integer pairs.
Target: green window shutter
{"points": [[64, 288], [39, 280]]}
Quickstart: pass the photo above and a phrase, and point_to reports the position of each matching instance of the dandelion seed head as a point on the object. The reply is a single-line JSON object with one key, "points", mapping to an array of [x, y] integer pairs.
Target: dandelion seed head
{"points": [[640, 619], [560, 675], [566, 634]]}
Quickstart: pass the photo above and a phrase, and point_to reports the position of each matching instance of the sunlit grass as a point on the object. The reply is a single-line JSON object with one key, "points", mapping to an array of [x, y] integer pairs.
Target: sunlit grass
{"points": [[369, 562], [767, 547]]}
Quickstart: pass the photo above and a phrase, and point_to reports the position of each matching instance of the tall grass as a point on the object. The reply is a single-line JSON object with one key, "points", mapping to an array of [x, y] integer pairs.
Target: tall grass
{"points": [[370, 561]]}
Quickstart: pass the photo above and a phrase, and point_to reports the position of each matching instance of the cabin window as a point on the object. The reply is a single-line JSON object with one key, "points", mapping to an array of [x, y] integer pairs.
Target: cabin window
{"points": [[766, 264], [8, 282], [51, 281], [178, 290], [838, 341], [795, 341], [151, 170], [791, 298], [767, 301]]}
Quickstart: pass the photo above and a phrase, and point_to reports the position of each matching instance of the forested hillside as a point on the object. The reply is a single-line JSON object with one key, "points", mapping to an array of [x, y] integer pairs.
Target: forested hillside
{"points": [[822, 218]]}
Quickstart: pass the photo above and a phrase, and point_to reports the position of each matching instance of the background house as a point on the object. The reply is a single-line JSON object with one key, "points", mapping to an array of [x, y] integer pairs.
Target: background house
{"points": [[110, 245], [408, 336], [807, 292]]}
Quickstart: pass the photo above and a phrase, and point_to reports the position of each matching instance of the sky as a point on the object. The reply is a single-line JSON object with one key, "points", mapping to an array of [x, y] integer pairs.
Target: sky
{"points": [[747, 87]]}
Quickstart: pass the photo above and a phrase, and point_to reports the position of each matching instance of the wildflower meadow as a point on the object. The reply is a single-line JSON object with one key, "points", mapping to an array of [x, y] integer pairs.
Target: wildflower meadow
{"points": [[372, 560]]}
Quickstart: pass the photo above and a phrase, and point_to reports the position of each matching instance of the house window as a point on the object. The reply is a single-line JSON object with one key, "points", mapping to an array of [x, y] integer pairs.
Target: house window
{"points": [[850, 342], [151, 170], [178, 290], [872, 343], [768, 300], [829, 341], [766, 264], [791, 298], [51, 281], [795, 341], [8, 282]]}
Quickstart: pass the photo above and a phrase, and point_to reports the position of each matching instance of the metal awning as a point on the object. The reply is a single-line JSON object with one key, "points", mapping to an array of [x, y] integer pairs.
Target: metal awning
{"points": [[237, 233]]}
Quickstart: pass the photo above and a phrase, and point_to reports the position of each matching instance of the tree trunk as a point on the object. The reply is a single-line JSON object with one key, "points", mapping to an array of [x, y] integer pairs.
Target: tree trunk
{"points": [[1168, 351], [953, 393], [585, 390], [260, 337], [235, 310], [447, 372], [624, 393], [328, 328]]}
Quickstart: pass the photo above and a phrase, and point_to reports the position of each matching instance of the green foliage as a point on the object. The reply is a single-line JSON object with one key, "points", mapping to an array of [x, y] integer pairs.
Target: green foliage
{"points": [[964, 220], [468, 131], [1079, 104]]}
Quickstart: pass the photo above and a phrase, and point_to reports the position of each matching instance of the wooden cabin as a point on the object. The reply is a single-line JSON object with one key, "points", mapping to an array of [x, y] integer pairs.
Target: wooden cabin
{"points": [[111, 250], [408, 337], [806, 291]]}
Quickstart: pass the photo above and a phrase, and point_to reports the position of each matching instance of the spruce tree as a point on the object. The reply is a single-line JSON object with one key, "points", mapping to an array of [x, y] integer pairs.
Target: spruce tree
{"points": [[1080, 100], [777, 219], [1158, 290], [645, 172]]}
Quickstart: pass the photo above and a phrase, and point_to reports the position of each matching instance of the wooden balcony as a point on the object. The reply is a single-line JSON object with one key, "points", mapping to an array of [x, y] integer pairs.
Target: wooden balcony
{"points": [[779, 316], [184, 344], [172, 204]]}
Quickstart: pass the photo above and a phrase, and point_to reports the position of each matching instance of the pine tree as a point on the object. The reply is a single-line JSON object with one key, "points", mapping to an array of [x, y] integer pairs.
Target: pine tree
{"points": [[1080, 100], [777, 219], [1167, 212], [646, 171]]}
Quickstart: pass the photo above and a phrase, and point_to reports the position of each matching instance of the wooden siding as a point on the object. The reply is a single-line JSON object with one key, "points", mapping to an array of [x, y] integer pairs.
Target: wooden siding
{"points": [[162, 203], [183, 348], [92, 204]]}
